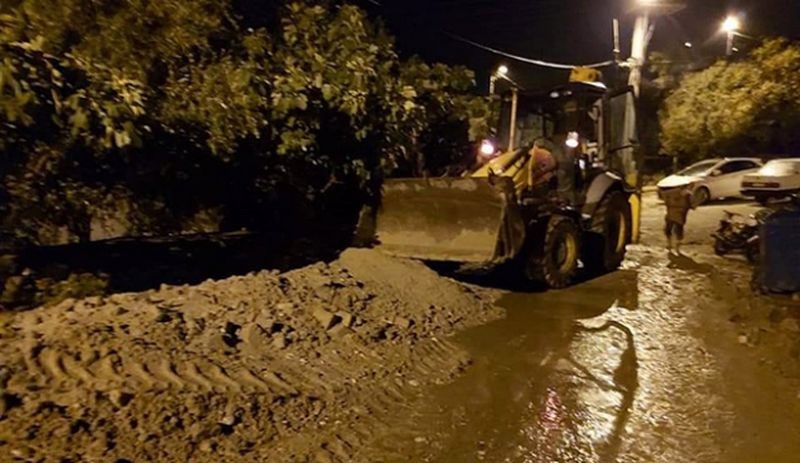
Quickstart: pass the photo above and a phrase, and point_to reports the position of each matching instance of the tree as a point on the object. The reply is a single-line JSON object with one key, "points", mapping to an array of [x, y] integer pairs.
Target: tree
{"points": [[446, 120], [750, 106], [177, 107], [58, 117]]}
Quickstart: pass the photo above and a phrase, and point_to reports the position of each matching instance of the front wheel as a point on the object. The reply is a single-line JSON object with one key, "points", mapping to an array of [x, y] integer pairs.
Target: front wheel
{"points": [[555, 264], [701, 196], [606, 245]]}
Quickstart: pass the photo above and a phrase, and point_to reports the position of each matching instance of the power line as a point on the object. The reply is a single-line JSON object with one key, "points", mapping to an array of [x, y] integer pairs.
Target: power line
{"points": [[523, 59]]}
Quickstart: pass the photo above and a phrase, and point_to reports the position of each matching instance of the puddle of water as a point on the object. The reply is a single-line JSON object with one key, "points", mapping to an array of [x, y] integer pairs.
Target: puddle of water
{"points": [[548, 382], [638, 366]]}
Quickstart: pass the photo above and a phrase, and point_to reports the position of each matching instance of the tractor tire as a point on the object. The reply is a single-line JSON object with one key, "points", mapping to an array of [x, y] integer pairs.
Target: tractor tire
{"points": [[610, 234], [555, 264]]}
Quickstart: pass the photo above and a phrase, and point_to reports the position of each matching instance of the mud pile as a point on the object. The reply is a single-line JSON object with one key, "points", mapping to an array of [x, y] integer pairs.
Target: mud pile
{"points": [[285, 367]]}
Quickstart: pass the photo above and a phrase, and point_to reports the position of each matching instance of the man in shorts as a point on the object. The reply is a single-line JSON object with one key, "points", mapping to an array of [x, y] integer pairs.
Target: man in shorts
{"points": [[678, 200]]}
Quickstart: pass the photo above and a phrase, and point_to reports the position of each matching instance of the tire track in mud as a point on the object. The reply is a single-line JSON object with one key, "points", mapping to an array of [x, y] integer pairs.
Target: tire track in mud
{"points": [[367, 421], [356, 435], [239, 370], [59, 368]]}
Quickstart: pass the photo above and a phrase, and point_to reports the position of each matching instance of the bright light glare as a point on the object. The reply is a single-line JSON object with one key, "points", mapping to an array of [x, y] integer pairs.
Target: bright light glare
{"points": [[648, 2], [573, 140], [487, 148], [502, 70], [731, 24], [688, 45]]}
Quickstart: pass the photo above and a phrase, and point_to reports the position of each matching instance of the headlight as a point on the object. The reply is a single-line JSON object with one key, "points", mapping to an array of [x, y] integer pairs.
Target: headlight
{"points": [[573, 140], [488, 149]]}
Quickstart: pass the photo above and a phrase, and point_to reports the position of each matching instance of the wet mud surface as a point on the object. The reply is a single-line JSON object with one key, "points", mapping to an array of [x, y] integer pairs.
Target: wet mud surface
{"points": [[643, 365], [372, 359]]}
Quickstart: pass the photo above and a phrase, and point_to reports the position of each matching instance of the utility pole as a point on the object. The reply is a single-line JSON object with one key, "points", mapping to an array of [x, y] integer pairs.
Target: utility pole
{"points": [[512, 132], [642, 33], [502, 73], [641, 37], [729, 46]]}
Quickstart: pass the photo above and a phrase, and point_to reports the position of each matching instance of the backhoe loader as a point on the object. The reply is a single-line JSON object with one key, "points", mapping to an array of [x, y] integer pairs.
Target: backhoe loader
{"points": [[490, 217]]}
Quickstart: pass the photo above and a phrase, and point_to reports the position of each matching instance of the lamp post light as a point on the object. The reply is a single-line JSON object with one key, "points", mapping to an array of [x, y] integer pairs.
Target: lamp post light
{"points": [[731, 27], [500, 73]]}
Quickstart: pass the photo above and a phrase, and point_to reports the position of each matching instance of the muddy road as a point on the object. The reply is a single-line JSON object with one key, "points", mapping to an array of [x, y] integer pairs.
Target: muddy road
{"points": [[644, 365], [372, 359]]}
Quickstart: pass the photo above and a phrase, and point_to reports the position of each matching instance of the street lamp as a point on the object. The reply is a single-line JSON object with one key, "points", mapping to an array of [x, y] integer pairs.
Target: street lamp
{"points": [[731, 27], [731, 24], [500, 73]]}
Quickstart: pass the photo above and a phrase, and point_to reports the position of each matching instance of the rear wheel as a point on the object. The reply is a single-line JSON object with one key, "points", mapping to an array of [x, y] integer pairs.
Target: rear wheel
{"points": [[701, 196], [556, 263], [606, 246], [720, 248], [752, 252]]}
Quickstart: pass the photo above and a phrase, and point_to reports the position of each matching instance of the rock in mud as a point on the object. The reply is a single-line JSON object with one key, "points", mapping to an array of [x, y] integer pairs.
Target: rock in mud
{"points": [[206, 446], [327, 319], [254, 336], [322, 456], [790, 325], [230, 334], [279, 341], [778, 314], [403, 323], [347, 318], [119, 398]]}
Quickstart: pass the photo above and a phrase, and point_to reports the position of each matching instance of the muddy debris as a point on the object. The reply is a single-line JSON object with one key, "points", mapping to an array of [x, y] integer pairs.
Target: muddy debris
{"points": [[790, 325], [262, 367]]}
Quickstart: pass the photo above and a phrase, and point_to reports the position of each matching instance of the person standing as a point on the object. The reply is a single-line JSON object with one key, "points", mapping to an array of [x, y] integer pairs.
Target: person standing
{"points": [[678, 200]]}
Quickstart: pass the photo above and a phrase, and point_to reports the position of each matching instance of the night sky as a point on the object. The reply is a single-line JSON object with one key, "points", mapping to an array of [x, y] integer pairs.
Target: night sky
{"points": [[572, 31]]}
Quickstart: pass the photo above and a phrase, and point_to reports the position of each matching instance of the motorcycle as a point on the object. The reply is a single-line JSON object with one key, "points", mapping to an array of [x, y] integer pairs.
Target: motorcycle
{"points": [[737, 233]]}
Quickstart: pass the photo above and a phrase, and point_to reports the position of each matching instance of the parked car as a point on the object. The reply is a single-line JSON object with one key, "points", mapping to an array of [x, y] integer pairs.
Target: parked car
{"points": [[777, 179], [714, 178]]}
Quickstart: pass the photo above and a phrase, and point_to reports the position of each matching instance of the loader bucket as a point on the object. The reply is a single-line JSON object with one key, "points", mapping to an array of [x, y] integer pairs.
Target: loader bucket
{"points": [[471, 220]]}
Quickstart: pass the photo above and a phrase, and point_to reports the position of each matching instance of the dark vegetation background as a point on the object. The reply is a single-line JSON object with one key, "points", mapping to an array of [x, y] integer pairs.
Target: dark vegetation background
{"points": [[280, 118]]}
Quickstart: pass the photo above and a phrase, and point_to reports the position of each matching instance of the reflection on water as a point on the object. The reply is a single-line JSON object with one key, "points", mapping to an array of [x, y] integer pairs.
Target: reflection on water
{"points": [[638, 366], [553, 381]]}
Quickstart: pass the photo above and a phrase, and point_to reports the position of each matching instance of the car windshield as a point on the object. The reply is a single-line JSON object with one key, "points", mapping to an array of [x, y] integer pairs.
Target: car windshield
{"points": [[698, 169], [783, 167]]}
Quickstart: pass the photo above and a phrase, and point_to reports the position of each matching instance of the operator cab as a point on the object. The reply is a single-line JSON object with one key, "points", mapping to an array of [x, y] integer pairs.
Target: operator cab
{"points": [[594, 127]]}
